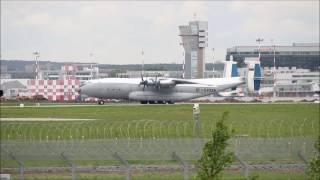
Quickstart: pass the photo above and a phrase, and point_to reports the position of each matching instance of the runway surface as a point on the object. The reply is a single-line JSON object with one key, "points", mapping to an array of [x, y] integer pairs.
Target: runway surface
{"points": [[137, 104], [43, 119]]}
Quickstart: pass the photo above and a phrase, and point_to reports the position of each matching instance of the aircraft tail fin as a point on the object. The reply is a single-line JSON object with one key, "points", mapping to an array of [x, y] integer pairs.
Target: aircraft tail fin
{"points": [[253, 76], [231, 70]]}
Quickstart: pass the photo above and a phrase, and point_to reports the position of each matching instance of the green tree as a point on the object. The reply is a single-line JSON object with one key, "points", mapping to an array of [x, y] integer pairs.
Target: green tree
{"points": [[313, 170], [214, 156]]}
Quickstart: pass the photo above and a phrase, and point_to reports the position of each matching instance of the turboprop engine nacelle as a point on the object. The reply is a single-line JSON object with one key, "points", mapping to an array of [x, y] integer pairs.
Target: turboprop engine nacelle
{"points": [[165, 83], [253, 76]]}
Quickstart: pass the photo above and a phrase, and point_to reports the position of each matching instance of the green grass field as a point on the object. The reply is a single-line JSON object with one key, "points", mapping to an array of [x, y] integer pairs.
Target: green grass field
{"points": [[160, 121], [155, 121], [227, 175]]}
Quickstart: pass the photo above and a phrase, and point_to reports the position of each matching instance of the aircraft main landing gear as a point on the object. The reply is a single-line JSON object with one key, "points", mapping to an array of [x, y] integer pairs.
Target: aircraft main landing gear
{"points": [[161, 102], [101, 102], [157, 102]]}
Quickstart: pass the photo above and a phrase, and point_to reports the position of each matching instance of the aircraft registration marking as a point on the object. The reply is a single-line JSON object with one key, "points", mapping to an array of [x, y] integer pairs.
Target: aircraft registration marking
{"points": [[205, 90]]}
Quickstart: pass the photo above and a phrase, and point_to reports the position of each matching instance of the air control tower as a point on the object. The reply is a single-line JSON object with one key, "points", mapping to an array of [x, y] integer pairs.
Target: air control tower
{"points": [[194, 41]]}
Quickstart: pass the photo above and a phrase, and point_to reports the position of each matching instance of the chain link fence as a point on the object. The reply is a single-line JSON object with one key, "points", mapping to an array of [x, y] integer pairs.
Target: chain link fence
{"points": [[148, 128], [149, 140]]}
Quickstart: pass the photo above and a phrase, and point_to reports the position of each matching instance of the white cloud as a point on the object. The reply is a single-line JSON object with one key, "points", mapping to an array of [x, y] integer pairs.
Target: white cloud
{"points": [[115, 32], [38, 20], [295, 20]]}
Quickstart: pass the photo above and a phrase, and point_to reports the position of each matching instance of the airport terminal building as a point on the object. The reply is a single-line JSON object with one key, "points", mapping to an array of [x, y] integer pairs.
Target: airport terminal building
{"points": [[299, 55], [290, 82]]}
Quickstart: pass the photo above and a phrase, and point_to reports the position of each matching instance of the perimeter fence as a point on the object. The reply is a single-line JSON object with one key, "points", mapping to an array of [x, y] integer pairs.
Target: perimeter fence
{"points": [[149, 128], [271, 142]]}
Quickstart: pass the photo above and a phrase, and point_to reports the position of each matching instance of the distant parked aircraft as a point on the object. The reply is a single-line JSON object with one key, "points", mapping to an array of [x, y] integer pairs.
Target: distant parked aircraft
{"points": [[234, 93]]}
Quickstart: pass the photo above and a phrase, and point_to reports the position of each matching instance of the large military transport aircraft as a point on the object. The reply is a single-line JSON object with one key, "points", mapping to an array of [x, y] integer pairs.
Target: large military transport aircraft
{"points": [[162, 90]]}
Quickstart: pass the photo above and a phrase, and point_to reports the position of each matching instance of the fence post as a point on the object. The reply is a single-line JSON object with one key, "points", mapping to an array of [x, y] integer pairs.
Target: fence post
{"points": [[73, 170], [244, 165], [302, 157], [303, 150], [196, 120], [184, 165], [125, 164], [21, 166], [289, 148]]}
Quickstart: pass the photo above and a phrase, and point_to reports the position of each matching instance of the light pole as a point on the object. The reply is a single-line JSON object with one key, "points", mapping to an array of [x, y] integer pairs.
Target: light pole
{"points": [[183, 64], [212, 62], [37, 55], [142, 66], [91, 70], [259, 40], [183, 59], [274, 68]]}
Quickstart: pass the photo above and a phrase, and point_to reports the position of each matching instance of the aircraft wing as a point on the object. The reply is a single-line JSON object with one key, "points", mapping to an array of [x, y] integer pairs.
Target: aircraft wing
{"points": [[171, 82], [183, 81], [190, 81]]}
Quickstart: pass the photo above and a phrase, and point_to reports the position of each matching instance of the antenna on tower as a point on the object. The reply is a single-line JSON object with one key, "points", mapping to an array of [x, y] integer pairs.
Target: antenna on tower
{"points": [[195, 16]]}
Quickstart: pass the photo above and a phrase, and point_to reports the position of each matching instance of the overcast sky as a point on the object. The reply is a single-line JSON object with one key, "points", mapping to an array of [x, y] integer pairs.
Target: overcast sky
{"points": [[116, 32]]}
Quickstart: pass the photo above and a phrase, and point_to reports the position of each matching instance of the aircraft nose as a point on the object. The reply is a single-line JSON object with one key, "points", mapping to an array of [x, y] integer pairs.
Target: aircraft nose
{"points": [[78, 90], [83, 90]]}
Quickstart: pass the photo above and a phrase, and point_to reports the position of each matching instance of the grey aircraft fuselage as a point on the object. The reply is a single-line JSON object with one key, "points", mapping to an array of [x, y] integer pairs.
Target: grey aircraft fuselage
{"points": [[126, 88]]}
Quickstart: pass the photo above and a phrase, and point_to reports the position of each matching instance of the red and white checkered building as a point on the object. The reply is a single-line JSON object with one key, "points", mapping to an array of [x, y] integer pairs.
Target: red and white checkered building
{"points": [[54, 90], [68, 68], [62, 89]]}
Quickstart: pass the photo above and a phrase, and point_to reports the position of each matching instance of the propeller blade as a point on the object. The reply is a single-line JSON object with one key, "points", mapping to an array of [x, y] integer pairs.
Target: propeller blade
{"points": [[157, 82]]}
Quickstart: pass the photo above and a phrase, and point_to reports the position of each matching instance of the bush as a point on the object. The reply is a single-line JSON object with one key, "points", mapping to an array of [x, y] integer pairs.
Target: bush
{"points": [[214, 156], [313, 170]]}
